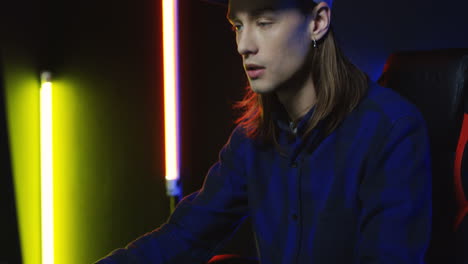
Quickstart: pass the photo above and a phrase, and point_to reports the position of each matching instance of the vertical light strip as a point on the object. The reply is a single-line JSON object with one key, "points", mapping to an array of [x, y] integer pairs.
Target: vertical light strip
{"points": [[47, 199], [171, 85]]}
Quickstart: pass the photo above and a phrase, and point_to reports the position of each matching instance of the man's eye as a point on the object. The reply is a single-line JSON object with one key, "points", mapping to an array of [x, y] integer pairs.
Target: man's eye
{"points": [[236, 28], [264, 23]]}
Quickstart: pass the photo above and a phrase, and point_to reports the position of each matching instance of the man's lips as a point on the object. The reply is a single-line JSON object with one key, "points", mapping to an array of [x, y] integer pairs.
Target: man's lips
{"points": [[254, 71], [254, 74]]}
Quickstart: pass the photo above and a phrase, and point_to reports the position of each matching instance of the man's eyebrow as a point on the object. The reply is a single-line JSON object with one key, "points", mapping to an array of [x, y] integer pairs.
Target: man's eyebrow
{"points": [[254, 13]]}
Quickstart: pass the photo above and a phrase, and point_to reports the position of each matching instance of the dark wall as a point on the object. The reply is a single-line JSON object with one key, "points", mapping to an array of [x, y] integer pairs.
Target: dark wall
{"points": [[109, 53], [370, 30], [105, 57], [9, 241], [17, 35]]}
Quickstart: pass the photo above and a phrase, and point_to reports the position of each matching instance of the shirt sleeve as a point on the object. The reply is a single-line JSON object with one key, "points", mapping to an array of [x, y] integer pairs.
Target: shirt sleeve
{"points": [[201, 221], [395, 195]]}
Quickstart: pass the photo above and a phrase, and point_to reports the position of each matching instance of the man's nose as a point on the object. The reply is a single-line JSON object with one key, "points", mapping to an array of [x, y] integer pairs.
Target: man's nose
{"points": [[246, 43]]}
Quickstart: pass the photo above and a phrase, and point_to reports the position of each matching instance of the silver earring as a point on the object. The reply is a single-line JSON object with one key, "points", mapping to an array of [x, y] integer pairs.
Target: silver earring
{"points": [[315, 43]]}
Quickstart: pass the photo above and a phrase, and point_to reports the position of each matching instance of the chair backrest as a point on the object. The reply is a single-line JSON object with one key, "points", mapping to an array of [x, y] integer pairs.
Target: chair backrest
{"points": [[436, 81], [232, 259]]}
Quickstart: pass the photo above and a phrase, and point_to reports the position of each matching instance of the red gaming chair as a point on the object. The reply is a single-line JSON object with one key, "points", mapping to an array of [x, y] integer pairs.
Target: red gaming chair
{"points": [[436, 82], [232, 259]]}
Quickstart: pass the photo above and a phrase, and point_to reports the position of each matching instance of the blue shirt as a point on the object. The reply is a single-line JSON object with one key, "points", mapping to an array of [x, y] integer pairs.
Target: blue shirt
{"points": [[359, 195]]}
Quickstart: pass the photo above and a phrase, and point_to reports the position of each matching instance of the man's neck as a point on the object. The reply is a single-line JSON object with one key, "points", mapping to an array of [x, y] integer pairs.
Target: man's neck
{"points": [[299, 101]]}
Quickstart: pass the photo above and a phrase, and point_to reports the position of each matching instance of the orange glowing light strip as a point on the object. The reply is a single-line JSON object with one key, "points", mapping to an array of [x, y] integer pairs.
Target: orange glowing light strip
{"points": [[47, 180], [169, 9]]}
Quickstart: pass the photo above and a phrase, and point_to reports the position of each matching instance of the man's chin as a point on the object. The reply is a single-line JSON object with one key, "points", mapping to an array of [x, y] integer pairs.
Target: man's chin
{"points": [[261, 89]]}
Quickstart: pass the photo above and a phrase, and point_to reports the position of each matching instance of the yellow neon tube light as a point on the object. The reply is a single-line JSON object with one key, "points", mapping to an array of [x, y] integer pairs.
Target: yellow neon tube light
{"points": [[170, 44], [47, 199]]}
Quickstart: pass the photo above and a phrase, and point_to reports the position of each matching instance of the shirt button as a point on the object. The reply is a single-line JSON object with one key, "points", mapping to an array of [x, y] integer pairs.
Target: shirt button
{"points": [[294, 217], [294, 164]]}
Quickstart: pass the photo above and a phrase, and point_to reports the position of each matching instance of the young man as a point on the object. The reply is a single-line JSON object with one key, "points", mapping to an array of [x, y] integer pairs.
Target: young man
{"points": [[330, 167]]}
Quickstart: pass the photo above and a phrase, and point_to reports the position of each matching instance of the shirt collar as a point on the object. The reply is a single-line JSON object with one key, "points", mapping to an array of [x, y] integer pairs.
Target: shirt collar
{"points": [[298, 128]]}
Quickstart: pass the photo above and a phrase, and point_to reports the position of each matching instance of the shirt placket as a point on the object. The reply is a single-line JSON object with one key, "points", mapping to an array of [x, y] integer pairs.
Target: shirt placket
{"points": [[296, 163], [295, 201]]}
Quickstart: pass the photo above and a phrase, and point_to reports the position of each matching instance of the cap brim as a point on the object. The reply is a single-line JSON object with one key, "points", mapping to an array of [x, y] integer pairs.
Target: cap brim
{"points": [[225, 2], [218, 2]]}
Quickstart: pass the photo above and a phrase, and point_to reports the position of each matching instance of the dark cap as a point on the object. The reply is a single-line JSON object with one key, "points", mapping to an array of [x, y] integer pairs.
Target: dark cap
{"points": [[225, 2], [221, 2]]}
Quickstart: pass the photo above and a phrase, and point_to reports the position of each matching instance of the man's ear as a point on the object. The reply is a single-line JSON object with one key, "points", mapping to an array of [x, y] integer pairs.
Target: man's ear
{"points": [[320, 22]]}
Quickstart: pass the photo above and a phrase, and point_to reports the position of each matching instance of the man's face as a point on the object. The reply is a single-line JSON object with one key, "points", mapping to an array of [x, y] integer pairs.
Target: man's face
{"points": [[272, 39]]}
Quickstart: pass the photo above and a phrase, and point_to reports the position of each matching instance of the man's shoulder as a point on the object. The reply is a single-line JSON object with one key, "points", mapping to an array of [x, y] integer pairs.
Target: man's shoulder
{"points": [[238, 138], [387, 105]]}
